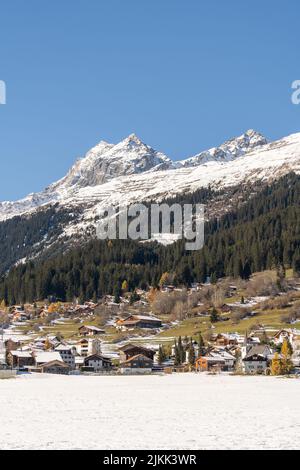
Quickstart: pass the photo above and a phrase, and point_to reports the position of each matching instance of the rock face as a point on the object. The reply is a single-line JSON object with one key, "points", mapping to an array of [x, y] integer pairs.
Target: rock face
{"points": [[107, 161], [132, 171], [228, 151]]}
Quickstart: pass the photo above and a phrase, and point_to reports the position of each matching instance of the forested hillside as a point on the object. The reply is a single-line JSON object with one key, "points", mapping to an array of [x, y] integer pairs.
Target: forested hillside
{"points": [[263, 233]]}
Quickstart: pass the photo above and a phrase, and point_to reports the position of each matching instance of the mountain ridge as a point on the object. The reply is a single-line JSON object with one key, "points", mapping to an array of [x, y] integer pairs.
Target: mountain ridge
{"points": [[106, 161]]}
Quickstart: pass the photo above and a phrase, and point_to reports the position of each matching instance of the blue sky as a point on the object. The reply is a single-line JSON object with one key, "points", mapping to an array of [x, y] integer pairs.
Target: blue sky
{"points": [[184, 75]]}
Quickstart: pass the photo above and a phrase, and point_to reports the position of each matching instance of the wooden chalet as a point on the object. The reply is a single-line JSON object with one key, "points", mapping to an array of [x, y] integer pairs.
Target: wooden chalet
{"points": [[130, 350]]}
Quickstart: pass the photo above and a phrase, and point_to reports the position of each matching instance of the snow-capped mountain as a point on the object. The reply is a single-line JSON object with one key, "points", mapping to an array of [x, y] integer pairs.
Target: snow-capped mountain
{"points": [[107, 161], [131, 171], [228, 151]]}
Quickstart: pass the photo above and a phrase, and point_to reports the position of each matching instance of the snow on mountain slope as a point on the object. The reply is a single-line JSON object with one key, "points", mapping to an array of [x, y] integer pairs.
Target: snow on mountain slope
{"points": [[102, 163], [107, 161], [133, 172], [228, 151]]}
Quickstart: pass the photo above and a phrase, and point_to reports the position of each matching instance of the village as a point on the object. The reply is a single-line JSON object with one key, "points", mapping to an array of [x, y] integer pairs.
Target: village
{"points": [[206, 328]]}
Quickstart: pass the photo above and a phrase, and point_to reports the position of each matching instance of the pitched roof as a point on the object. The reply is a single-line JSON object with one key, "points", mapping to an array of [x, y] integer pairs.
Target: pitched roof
{"points": [[258, 350], [96, 356], [129, 346], [21, 353], [44, 357], [138, 356], [63, 347], [55, 363], [140, 317], [91, 327]]}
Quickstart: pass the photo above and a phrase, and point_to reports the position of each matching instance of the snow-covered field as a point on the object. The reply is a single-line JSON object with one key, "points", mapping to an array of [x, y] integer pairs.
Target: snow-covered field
{"points": [[188, 411]]}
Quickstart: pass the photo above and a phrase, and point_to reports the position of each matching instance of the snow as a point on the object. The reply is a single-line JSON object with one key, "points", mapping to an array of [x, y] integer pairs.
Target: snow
{"points": [[132, 172], [183, 411]]}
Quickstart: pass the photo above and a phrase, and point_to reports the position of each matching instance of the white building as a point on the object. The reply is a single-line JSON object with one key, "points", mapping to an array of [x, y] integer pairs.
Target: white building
{"points": [[88, 346], [97, 363], [256, 359], [67, 354]]}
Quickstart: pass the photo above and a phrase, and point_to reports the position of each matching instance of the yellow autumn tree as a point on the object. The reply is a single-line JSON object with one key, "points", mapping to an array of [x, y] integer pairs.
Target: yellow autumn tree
{"points": [[47, 345], [125, 286], [54, 307], [276, 365], [152, 294], [286, 353], [164, 279]]}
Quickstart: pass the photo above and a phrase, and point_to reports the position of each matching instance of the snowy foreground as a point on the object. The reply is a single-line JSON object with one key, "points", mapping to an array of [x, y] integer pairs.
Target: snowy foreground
{"points": [[188, 411]]}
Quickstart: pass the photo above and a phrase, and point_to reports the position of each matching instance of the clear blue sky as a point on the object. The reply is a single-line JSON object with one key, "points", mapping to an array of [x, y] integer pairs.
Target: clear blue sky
{"points": [[184, 75]]}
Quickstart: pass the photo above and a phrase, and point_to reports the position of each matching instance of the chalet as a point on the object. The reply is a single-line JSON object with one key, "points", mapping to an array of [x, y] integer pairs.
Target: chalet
{"points": [[21, 316], [45, 357], [19, 359], [51, 340], [139, 364], [225, 308], [11, 345], [228, 357], [209, 363], [96, 363], [256, 359], [138, 321], [86, 330], [55, 367], [130, 350], [289, 334], [223, 339]]}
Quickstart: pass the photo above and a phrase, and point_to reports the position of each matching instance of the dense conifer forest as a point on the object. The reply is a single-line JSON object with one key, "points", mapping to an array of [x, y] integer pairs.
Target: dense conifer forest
{"points": [[261, 234]]}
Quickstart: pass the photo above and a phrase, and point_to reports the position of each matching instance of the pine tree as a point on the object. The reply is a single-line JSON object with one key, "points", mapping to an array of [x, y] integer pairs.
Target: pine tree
{"points": [[177, 359], [214, 317], [201, 345], [117, 293], [181, 350], [161, 354], [191, 354]]}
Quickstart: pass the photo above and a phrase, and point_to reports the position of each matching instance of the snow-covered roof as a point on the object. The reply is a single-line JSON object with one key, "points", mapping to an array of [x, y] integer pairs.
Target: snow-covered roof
{"points": [[21, 353], [43, 357], [63, 347], [91, 327]]}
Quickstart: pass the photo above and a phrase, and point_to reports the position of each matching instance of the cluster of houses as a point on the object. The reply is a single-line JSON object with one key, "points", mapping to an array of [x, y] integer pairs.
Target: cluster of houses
{"points": [[246, 354], [224, 352], [21, 314], [49, 355]]}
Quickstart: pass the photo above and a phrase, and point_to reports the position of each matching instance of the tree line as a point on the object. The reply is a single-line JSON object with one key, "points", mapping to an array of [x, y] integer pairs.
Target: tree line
{"points": [[261, 234]]}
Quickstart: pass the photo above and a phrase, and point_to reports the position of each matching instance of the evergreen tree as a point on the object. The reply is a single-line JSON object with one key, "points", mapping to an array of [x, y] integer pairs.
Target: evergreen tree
{"points": [[161, 354], [117, 293], [177, 358], [214, 317], [191, 354], [181, 350], [201, 345]]}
